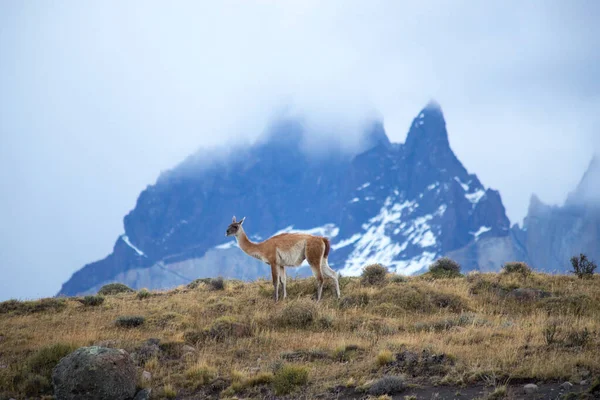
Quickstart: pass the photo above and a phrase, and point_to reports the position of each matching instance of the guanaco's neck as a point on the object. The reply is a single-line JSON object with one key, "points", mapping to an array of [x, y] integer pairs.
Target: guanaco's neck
{"points": [[245, 244]]}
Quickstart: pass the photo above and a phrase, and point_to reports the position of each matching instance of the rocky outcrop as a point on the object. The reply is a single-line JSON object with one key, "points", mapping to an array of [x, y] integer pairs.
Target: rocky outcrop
{"points": [[95, 373], [553, 234]]}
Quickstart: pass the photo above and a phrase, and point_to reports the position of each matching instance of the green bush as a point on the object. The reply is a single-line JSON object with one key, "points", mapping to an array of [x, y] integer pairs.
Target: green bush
{"points": [[582, 266], [91, 301], [227, 327], [444, 268], [32, 306], [217, 284], [288, 377], [35, 385], [374, 275], [517, 267], [356, 299], [213, 283], [42, 362], [298, 314], [550, 333], [114, 288], [398, 278], [129, 321], [143, 294]]}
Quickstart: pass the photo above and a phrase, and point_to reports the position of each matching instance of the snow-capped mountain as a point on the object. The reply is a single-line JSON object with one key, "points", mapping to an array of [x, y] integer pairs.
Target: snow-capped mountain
{"points": [[402, 205]]}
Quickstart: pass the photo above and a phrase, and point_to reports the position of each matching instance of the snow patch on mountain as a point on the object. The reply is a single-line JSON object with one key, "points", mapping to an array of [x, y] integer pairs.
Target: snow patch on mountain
{"points": [[125, 239], [464, 185], [327, 230], [481, 231], [475, 197]]}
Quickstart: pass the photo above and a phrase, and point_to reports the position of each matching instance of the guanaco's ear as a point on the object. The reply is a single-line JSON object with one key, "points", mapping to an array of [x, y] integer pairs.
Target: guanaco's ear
{"points": [[233, 220], [242, 220]]}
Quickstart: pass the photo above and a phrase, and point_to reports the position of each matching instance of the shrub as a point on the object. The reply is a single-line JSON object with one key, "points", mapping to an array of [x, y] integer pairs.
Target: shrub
{"points": [[193, 337], [172, 349], [226, 327], [345, 353], [288, 377], [359, 299], [213, 283], [168, 391], [33, 306], [35, 385], [129, 321], [517, 267], [262, 378], [217, 284], [42, 362], [387, 385], [91, 301], [398, 278], [448, 301], [374, 275], [143, 294], [577, 338], [196, 282], [114, 288], [444, 268], [298, 314], [200, 374], [305, 355], [550, 331], [582, 266], [407, 297], [384, 357]]}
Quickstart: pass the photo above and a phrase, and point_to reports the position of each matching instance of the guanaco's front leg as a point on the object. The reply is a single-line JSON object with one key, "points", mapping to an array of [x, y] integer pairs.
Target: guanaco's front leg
{"points": [[275, 275]]}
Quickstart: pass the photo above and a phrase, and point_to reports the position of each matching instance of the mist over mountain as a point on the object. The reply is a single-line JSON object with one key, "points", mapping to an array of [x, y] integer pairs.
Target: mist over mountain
{"points": [[399, 204]]}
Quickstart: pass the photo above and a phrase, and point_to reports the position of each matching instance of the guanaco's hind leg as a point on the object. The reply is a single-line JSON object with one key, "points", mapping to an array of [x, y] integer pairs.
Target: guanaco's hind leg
{"points": [[275, 276], [314, 255], [332, 274]]}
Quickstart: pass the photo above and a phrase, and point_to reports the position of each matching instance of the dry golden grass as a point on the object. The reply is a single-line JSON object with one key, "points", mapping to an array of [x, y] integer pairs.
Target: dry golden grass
{"points": [[243, 340]]}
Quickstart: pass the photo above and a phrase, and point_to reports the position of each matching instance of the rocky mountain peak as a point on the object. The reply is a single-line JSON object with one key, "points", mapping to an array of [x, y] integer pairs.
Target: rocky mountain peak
{"points": [[402, 205], [587, 193]]}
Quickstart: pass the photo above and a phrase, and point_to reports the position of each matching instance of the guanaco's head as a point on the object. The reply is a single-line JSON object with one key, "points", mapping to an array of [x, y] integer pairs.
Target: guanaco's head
{"points": [[234, 227]]}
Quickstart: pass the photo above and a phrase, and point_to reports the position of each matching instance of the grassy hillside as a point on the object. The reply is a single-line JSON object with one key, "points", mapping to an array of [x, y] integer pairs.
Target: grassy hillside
{"points": [[230, 339]]}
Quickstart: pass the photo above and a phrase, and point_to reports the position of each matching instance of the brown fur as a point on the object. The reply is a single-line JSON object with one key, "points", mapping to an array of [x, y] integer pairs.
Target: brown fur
{"points": [[288, 250]]}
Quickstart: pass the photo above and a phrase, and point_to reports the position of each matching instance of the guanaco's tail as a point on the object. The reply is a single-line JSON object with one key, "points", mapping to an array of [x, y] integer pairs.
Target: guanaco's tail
{"points": [[327, 247]]}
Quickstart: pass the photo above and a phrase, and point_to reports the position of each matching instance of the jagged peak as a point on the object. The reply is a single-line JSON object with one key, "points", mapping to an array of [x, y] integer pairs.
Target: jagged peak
{"points": [[428, 127]]}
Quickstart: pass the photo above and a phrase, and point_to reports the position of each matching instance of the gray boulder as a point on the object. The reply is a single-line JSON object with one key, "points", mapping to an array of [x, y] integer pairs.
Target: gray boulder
{"points": [[95, 373], [143, 394], [566, 386], [530, 388]]}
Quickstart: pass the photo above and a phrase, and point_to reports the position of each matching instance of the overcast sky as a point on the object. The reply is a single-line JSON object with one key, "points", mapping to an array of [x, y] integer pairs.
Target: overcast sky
{"points": [[97, 98]]}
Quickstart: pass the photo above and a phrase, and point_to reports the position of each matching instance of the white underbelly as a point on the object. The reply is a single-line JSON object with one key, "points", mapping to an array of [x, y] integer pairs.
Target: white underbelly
{"points": [[291, 258]]}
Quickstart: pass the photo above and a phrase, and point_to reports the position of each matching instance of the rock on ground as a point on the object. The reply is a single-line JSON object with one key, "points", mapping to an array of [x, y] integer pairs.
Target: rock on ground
{"points": [[143, 394], [566, 386], [95, 373], [530, 388]]}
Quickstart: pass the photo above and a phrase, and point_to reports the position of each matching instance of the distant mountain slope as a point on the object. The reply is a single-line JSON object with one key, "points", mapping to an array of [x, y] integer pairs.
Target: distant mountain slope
{"points": [[402, 205], [552, 235]]}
